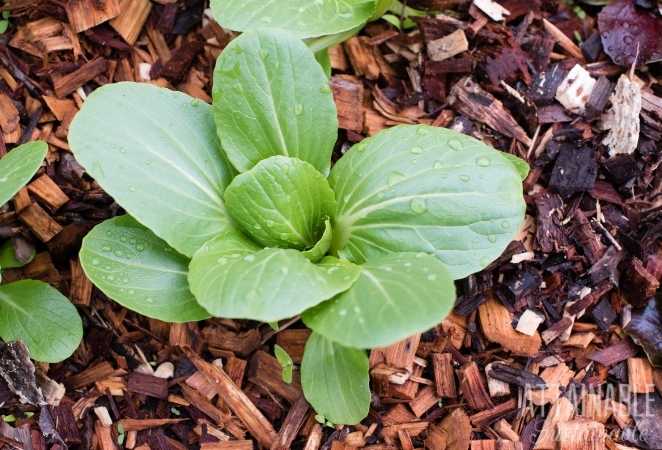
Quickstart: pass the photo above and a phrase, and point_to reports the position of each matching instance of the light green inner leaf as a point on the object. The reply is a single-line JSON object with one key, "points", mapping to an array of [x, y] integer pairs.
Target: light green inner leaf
{"points": [[156, 152], [426, 189], [232, 278], [302, 18], [139, 271], [41, 317], [281, 202], [323, 244], [18, 166], [335, 380], [285, 362], [264, 108], [396, 295]]}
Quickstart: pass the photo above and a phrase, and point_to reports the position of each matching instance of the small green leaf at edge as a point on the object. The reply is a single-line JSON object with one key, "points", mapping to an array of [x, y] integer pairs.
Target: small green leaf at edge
{"points": [[322, 246], [285, 361], [418, 188], [18, 166], [521, 166], [55, 326], [8, 258], [281, 202], [301, 18], [232, 277], [335, 380], [395, 296], [156, 152], [262, 108], [324, 61], [138, 270]]}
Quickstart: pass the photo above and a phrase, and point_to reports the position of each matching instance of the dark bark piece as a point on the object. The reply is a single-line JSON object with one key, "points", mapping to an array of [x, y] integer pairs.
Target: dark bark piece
{"points": [[638, 285], [575, 170], [176, 68], [597, 101], [348, 94], [18, 371], [65, 424], [587, 238], [592, 47], [549, 232], [545, 84], [646, 330], [629, 32], [472, 100], [148, 385], [513, 375], [606, 268], [614, 354], [291, 425], [552, 114], [67, 84], [603, 314], [507, 64], [646, 410], [473, 387], [622, 168]]}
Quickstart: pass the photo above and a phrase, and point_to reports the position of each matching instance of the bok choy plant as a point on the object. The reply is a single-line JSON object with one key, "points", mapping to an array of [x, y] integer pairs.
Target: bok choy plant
{"points": [[33, 311], [235, 211]]}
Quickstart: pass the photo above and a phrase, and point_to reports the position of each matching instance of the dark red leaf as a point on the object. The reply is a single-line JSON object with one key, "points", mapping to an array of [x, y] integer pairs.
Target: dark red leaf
{"points": [[623, 26]]}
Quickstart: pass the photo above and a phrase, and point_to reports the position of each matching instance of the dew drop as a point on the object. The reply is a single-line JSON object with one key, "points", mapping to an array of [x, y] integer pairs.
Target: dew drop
{"points": [[119, 253], [388, 269], [149, 300], [284, 270], [123, 239], [482, 161], [394, 178], [492, 238], [111, 278], [222, 261], [342, 312], [95, 261], [465, 178], [438, 165], [249, 258], [422, 130], [420, 254], [269, 223], [505, 225], [455, 145], [132, 188], [131, 292], [331, 270], [105, 248], [407, 264], [298, 109], [325, 89], [264, 53], [416, 150], [140, 247], [418, 205], [432, 277]]}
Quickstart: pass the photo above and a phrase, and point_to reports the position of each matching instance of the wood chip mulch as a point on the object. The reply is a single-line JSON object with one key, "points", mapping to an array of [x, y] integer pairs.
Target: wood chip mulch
{"points": [[534, 355]]}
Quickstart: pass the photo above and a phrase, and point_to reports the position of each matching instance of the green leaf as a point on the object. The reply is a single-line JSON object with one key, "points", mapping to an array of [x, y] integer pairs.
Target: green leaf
{"points": [[156, 152], [285, 362], [302, 18], [335, 380], [231, 277], [520, 165], [139, 271], [18, 166], [281, 202], [8, 258], [324, 60], [322, 246], [37, 314], [264, 108], [426, 189], [396, 295]]}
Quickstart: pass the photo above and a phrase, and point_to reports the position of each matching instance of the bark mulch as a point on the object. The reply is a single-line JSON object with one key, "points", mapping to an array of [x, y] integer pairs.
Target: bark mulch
{"points": [[535, 354]]}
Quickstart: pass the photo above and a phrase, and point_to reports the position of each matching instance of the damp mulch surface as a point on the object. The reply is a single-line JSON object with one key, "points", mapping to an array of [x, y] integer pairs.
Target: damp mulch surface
{"points": [[547, 348]]}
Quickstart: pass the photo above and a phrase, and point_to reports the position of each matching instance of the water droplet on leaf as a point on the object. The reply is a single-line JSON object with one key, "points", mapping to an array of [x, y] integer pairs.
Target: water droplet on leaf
{"points": [[418, 205]]}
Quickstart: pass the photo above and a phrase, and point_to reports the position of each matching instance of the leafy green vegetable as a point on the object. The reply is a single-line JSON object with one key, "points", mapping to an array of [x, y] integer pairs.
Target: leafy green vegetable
{"points": [[18, 166], [335, 380], [139, 271], [231, 277], [281, 202], [285, 362], [41, 317], [156, 152], [395, 296], [324, 61], [367, 257], [264, 108], [426, 189], [302, 18]]}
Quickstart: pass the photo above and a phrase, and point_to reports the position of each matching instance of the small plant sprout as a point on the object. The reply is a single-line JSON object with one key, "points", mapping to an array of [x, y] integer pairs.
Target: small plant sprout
{"points": [[33, 311], [235, 211]]}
